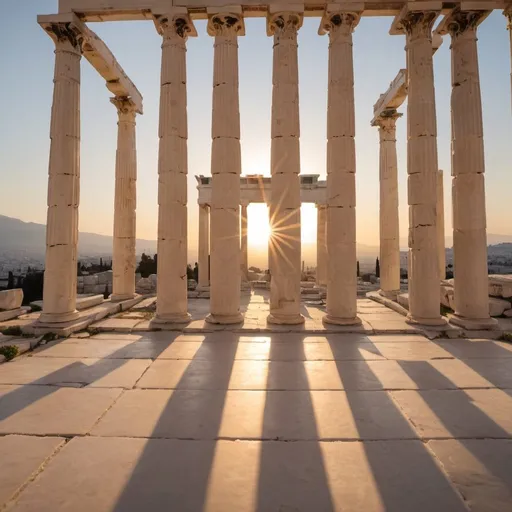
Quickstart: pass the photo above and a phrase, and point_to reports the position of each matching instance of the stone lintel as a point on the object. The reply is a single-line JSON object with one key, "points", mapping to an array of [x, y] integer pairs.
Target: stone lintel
{"points": [[393, 97], [286, 7], [397, 27], [99, 55], [444, 26]]}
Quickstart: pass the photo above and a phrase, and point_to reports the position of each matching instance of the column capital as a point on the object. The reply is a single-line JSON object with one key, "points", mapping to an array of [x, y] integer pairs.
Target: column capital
{"points": [[508, 14], [341, 23], [284, 22], [126, 108], [65, 34], [458, 22], [415, 23], [226, 24], [387, 120], [174, 25]]}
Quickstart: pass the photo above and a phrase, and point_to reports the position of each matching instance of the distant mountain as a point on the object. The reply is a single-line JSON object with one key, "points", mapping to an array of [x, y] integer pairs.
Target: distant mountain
{"points": [[29, 238]]}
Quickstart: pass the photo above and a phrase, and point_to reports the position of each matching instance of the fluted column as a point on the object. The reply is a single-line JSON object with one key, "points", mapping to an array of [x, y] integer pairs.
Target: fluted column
{"points": [[341, 169], [388, 206], [244, 249], [226, 168], [171, 304], [204, 247], [60, 276], [125, 201], [321, 245], [424, 303], [508, 15], [471, 283], [441, 248], [285, 242]]}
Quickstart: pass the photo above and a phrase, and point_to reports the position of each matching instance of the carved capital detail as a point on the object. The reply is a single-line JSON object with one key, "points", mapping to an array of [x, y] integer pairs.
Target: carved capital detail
{"points": [[339, 23], [461, 22], [66, 33], [387, 121], [175, 26], [126, 108], [226, 25], [419, 23], [284, 23], [508, 14]]}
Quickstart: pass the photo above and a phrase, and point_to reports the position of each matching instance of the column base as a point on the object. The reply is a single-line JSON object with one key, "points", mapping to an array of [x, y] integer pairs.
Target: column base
{"points": [[213, 318], [122, 296], [474, 324], [389, 294], [58, 318], [202, 288], [179, 318], [426, 321], [335, 320], [272, 318]]}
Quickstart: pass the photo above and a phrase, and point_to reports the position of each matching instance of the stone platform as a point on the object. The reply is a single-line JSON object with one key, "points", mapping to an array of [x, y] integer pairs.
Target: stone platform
{"points": [[227, 421]]}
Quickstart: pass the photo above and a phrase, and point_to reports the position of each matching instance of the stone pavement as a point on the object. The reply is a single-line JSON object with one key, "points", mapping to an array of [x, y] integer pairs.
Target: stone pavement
{"points": [[238, 422]]}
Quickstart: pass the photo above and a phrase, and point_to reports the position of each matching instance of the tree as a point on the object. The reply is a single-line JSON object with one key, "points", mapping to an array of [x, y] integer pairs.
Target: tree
{"points": [[358, 271], [101, 264], [19, 282], [147, 265], [377, 268], [190, 272], [106, 294], [33, 287], [10, 281]]}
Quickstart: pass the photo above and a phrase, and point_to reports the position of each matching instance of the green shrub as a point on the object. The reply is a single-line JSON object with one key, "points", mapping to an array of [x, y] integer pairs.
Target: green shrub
{"points": [[9, 351]]}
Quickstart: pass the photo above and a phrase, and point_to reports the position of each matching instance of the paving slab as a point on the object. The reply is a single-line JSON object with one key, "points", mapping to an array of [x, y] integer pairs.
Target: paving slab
{"points": [[471, 348], [21, 458], [480, 470], [477, 413], [50, 410], [120, 474], [283, 415], [413, 351], [115, 324], [122, 373], [102, 348]]}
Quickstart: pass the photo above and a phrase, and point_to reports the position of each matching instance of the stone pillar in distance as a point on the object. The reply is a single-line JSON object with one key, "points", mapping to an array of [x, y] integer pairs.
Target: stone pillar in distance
{"points": [[285, 242], [441, 248], [226, 169], [204, 247], [424, 295], [471, 282], [321, 245], [171, 304], [341, 169], [244, 248], [389, 257], [60, 276], [125, 202]]}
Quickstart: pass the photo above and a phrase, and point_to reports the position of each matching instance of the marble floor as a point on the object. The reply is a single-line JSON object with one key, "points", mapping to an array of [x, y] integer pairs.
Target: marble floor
{"points": [[230, 421]]}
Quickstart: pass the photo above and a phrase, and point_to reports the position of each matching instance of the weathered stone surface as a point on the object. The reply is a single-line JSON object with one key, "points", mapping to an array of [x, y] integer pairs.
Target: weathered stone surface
{"points": [[11, 299], [21, 458], [498, 306], [500, 286]]}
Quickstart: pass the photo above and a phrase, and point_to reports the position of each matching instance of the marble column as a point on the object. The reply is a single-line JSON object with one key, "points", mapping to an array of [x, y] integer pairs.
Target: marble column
{"points": [[125, 201], [60, 276], [441, 249], [341, 169], [285, 242], [171, 304], [321, 245], [508, 15], [226, 168], [424, 300], [388, 206], [204, 247], [244, 249], [471, 283]]}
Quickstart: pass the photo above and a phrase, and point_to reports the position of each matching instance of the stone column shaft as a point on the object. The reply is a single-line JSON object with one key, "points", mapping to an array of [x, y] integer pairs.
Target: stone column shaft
{"points": [[60, 276], [471, 282], [508, 15], [441, 247], [285, 242], [204, 246], [171, 305], [125, 202], [244, 249], [341, 169], [321, 246], [226, 168], [388, 207], [424, 301]]}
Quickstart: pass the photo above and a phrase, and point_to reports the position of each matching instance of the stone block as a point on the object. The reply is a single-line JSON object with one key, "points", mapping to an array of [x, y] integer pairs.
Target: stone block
{"points": [[105, 277], [342, 189], [285, 155], [91, 280], [469, 202], [447, 296], [172, 188], [11, 299], [226, 115], [500, 286], [422, 188], [498, 306], [226, 156], [172, 154], [286, 191], [422, 215], [172, 222], [173, 107], [341, 101], [341, 156], [225, 191]]}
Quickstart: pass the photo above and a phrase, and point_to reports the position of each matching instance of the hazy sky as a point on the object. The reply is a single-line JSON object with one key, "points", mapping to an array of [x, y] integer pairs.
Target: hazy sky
{"points": [[27, 61]]}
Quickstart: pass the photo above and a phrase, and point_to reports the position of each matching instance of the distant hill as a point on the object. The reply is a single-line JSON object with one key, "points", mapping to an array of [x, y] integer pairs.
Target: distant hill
{"points": [[29, 238]]}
